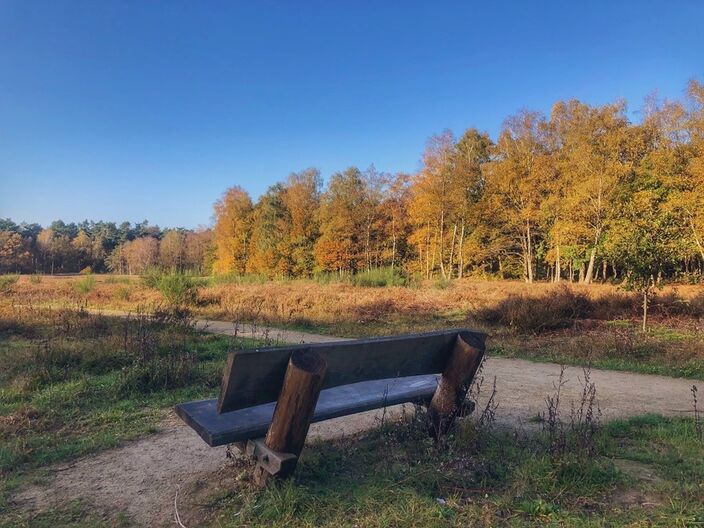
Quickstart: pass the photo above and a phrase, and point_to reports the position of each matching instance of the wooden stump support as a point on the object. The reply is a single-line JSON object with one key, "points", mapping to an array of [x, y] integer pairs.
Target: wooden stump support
{"points": [[461, 367], [278, 453]]}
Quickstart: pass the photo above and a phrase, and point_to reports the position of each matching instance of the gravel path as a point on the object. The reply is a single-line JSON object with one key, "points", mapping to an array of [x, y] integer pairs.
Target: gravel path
{"points": [[142, 477]]}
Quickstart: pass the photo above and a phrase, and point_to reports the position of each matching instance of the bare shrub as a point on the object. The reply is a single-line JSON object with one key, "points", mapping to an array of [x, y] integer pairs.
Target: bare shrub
{"points": [[578, 436], [698, 425], [157, 344], [585, 419], [552, 423], [488, 416]]}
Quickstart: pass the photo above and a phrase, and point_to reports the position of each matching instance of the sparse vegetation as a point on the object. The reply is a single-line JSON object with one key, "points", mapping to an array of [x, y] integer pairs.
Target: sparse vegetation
{"points": [[85, 285], [379, 277], [7, 282], [53, 360], [121, 373], [398, 476], [571, 324], [178, 289]]}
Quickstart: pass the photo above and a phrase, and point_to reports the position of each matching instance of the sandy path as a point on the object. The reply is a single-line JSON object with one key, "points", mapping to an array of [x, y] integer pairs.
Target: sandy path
{"points": [[262, 332], [141, 477]]}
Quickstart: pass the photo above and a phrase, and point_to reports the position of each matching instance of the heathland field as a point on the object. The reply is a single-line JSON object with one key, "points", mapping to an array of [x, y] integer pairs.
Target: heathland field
{"points": [[566, 323], [79, 381]]}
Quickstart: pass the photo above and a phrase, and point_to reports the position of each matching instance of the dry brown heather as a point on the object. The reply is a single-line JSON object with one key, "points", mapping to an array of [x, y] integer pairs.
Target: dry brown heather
{"points": [[344, 309], [575, 324]]}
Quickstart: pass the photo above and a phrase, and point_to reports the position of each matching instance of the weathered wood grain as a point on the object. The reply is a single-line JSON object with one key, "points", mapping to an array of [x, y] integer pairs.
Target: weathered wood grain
{"points": [[272, 462], [254, 377], [462, 365], [294, 410]]}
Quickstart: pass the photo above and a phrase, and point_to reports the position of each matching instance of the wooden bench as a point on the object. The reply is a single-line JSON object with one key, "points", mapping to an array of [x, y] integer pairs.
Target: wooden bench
{"points": [[278, 392]]}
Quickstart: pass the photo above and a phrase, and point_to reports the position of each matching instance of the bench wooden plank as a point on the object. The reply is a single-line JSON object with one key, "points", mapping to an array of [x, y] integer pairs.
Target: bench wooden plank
{"points": [[254, 377], [245, 424]]}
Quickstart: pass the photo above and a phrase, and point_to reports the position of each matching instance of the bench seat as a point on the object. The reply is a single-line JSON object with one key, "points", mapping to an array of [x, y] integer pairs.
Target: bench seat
{"points": [[253, 422]]}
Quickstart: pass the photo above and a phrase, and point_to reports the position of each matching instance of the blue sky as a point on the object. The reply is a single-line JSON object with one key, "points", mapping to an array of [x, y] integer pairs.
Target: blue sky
{"points": [[130, 110]]}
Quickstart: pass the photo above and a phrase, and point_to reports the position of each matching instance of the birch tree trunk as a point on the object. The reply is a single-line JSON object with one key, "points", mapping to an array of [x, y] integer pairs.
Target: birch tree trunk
{"points": [[697, 240], [452, 251], [528, 254], [393, 243], [442, 236], [461, 250], [590, 268]]}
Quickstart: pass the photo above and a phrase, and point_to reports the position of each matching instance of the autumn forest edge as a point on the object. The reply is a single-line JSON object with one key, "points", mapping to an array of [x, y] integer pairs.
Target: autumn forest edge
{"points": [[583, 194]]}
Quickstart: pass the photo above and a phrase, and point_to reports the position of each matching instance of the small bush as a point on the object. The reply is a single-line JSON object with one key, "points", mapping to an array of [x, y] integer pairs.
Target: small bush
{"points": [[441, 283], [85, 285], [7, 282], [380, 277], [35, 278], [151, 277], [86, 271], [178, 289]]}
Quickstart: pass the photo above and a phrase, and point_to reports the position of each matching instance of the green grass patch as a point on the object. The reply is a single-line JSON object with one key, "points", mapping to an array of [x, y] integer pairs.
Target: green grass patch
{"points": [[379, 277], [397, 476], [85, 285], [663, 351], [72, 383]]}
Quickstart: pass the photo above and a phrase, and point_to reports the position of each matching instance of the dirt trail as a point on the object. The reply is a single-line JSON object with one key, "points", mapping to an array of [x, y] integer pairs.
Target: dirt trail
{"points": [[141, 478]]}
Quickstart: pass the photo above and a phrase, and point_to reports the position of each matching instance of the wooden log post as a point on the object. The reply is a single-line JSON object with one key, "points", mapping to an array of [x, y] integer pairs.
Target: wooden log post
{"points": [[456, 378], [293, 413]]}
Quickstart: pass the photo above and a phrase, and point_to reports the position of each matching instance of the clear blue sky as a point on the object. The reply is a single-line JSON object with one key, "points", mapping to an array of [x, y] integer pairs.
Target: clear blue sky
{"points": [[138, 109]]}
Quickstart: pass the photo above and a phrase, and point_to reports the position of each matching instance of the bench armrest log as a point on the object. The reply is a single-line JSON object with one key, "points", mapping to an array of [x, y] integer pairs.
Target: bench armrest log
{"points": [[294, 410], [461, 367]]}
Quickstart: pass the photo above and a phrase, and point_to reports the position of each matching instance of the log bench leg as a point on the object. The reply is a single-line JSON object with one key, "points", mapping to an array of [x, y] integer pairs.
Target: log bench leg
{"points": [[292, 416], [459, 372]]}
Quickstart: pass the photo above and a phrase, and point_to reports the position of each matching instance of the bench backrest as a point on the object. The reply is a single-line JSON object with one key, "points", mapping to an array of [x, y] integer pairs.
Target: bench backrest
{"points": [[255, 376]]}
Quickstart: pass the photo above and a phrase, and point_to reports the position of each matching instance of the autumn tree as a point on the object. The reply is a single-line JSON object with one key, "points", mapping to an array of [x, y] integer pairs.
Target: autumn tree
{"points": [[591, 160], [691, 188], [301, 199], [431, 200], [198, 250], [233, 215], [517, 181], [83, 250], [15, 256], [141, 254], [646, 235], [269, 233], [341, 245], [395, 222], [55, 250], [472, 152], [172, 249]]}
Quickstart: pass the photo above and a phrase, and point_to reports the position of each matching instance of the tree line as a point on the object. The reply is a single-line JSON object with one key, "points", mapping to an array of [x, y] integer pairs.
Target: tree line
{"points": [[581, 194], [100, 247]]}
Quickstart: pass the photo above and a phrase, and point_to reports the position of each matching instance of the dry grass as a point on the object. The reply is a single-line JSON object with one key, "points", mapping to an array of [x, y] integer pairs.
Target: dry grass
{"points": [[349, 310], [346, 309], [566, 323]]}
